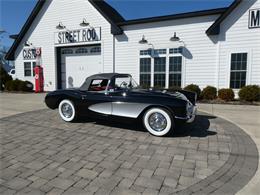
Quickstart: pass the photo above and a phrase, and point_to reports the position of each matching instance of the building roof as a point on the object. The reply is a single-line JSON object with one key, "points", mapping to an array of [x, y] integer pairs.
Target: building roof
{"points": [[173, 16], [110, 14], [116, 20], [26, 26], [106, 10], [214, 29]]}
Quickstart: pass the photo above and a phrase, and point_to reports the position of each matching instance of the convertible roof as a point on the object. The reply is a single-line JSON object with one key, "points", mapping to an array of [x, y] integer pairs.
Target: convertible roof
{"points": [[107, 76]]}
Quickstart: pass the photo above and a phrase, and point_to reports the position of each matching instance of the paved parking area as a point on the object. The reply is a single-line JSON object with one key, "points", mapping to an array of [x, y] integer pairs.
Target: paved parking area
{"points": [[42, 154]]}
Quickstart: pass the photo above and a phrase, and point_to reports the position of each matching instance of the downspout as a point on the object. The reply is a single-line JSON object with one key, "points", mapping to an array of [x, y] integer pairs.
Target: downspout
{"points": [[218, 63], [114, 54]]}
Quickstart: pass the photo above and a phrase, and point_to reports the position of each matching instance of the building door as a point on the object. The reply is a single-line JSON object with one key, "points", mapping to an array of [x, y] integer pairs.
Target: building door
{"points": [[78, 63]]}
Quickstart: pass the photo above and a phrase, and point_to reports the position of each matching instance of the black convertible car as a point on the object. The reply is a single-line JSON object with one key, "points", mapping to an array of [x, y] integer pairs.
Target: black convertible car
{"points": [[113, 94]]}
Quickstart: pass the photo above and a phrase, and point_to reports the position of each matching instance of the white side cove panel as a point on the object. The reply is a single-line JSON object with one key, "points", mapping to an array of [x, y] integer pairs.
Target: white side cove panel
{"points": [[199, 57], [236, 37], [41, 34]]}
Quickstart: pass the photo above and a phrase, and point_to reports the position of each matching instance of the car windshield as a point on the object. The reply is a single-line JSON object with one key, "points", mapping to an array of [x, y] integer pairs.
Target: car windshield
{"points": [[122, 83]]}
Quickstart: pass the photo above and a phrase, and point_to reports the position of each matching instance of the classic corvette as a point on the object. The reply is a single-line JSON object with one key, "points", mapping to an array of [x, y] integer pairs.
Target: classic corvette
{"points": [[112, 94]]}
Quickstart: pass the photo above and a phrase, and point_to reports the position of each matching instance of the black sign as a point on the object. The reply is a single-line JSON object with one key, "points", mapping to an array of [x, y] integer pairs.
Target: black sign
{"points": [[31, 53], [77, 36], [254, 18]]}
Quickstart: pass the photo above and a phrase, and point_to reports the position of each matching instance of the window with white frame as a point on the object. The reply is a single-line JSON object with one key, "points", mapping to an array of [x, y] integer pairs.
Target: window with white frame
{"points": [[159, 65], [145, 52], [159, 71], [238, 70], [145, 72], [29, 68], [175, 67]]}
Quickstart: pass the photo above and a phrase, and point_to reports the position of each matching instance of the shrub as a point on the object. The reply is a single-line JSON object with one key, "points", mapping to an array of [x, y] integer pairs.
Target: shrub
{"points": [[209, 93], [173, 88], [4, 77], [193, 88], [144, 86], [18, 85], [25, 86], [249, 93], [226, 94], [158, 87], [8, 85]]}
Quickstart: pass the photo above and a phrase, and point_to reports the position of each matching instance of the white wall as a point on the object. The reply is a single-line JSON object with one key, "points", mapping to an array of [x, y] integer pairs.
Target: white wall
{"points": [[206, 61], [237, 37], [41, 34], [199, 59]]}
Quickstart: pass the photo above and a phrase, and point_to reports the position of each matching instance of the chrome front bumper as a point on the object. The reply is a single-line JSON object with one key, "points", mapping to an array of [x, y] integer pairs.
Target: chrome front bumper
{"points": [[190, 116], [193, 115]]}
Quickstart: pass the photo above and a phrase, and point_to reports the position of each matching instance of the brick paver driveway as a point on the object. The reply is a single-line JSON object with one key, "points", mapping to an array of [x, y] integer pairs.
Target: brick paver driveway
{"points": [[42, 154]]}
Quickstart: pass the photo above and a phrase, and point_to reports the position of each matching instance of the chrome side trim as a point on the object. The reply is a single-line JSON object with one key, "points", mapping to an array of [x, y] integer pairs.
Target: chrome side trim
{"points": [[103, 108], [125, 109]]}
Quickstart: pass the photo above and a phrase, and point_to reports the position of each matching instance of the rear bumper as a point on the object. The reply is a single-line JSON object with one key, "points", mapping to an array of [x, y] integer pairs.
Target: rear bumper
{"points": [[191, 117]]}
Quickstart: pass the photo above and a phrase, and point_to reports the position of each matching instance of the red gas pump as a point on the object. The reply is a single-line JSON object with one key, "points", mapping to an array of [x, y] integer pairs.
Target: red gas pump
{"points": [[39, 81]]}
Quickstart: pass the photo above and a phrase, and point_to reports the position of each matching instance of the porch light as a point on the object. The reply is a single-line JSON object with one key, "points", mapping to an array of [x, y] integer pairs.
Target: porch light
{"points": [[84, 22], [60, 26], [143, 40], [175, 38], [28, 44]]}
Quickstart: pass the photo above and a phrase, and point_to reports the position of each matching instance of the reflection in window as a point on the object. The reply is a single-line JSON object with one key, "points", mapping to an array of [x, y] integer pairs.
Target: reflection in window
{"points": [[82, 50], [27, 69], [176, 50], [95, 50], [34, 65], [67, 51], [175, 66], [98, 85], [145, 72], [145, 52], [159, 71], [159, 51], [238, 70]]}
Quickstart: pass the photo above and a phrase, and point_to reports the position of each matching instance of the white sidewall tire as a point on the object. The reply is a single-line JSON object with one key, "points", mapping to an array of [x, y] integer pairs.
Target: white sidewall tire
{"points": [[73, 110], [165, 114]]}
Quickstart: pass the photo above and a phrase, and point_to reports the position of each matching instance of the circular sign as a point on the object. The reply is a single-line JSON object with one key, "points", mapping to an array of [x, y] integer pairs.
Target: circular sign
{"points": [[36, 76], [38, 51]]}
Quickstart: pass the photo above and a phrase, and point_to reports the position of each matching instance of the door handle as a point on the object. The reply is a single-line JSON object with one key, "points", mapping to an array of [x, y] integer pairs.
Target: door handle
{"points": [[83, 97]]}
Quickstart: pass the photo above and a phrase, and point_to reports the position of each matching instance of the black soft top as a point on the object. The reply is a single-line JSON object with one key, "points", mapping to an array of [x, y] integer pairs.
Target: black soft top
{"points": [[108, 76]]}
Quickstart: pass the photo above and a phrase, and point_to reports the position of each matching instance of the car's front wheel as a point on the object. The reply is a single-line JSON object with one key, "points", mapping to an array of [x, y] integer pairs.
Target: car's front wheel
{"points": [[67, 110], [158, 121]]}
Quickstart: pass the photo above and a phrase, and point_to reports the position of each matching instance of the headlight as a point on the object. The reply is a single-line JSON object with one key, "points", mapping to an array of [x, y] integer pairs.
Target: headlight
{"points": [[189, 108]]}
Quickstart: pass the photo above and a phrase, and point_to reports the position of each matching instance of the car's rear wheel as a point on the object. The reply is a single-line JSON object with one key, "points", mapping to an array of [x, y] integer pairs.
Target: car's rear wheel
{"points": [[67, 110], [158, 121]]}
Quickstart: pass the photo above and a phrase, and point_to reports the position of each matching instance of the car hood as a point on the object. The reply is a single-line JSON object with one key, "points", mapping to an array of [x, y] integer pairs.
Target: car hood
{"points": [[163, 93]]}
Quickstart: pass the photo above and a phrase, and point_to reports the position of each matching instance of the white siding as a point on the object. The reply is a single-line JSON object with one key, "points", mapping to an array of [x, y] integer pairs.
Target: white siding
{"points": [[200, 57], [237, 37], [41, 34], [206, 58]]}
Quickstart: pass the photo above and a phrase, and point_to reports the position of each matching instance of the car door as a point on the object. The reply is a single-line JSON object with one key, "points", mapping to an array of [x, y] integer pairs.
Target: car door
{"points": [[124, 104], [97, 102]]}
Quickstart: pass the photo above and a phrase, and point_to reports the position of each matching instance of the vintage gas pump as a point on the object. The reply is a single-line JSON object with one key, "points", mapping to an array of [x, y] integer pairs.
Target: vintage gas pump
{"points": [[38, 70]]}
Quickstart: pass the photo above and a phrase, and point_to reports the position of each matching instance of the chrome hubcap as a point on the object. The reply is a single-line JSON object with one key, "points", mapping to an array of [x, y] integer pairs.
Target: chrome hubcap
{"points": [[157, 121], [66, 110]]}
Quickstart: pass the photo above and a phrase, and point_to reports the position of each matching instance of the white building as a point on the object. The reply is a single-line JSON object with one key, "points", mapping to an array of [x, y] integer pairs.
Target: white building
{"points": [[78, 38]]}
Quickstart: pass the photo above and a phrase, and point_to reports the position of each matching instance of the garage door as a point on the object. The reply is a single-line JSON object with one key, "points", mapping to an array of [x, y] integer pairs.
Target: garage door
{"points": [[79, 63]]}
